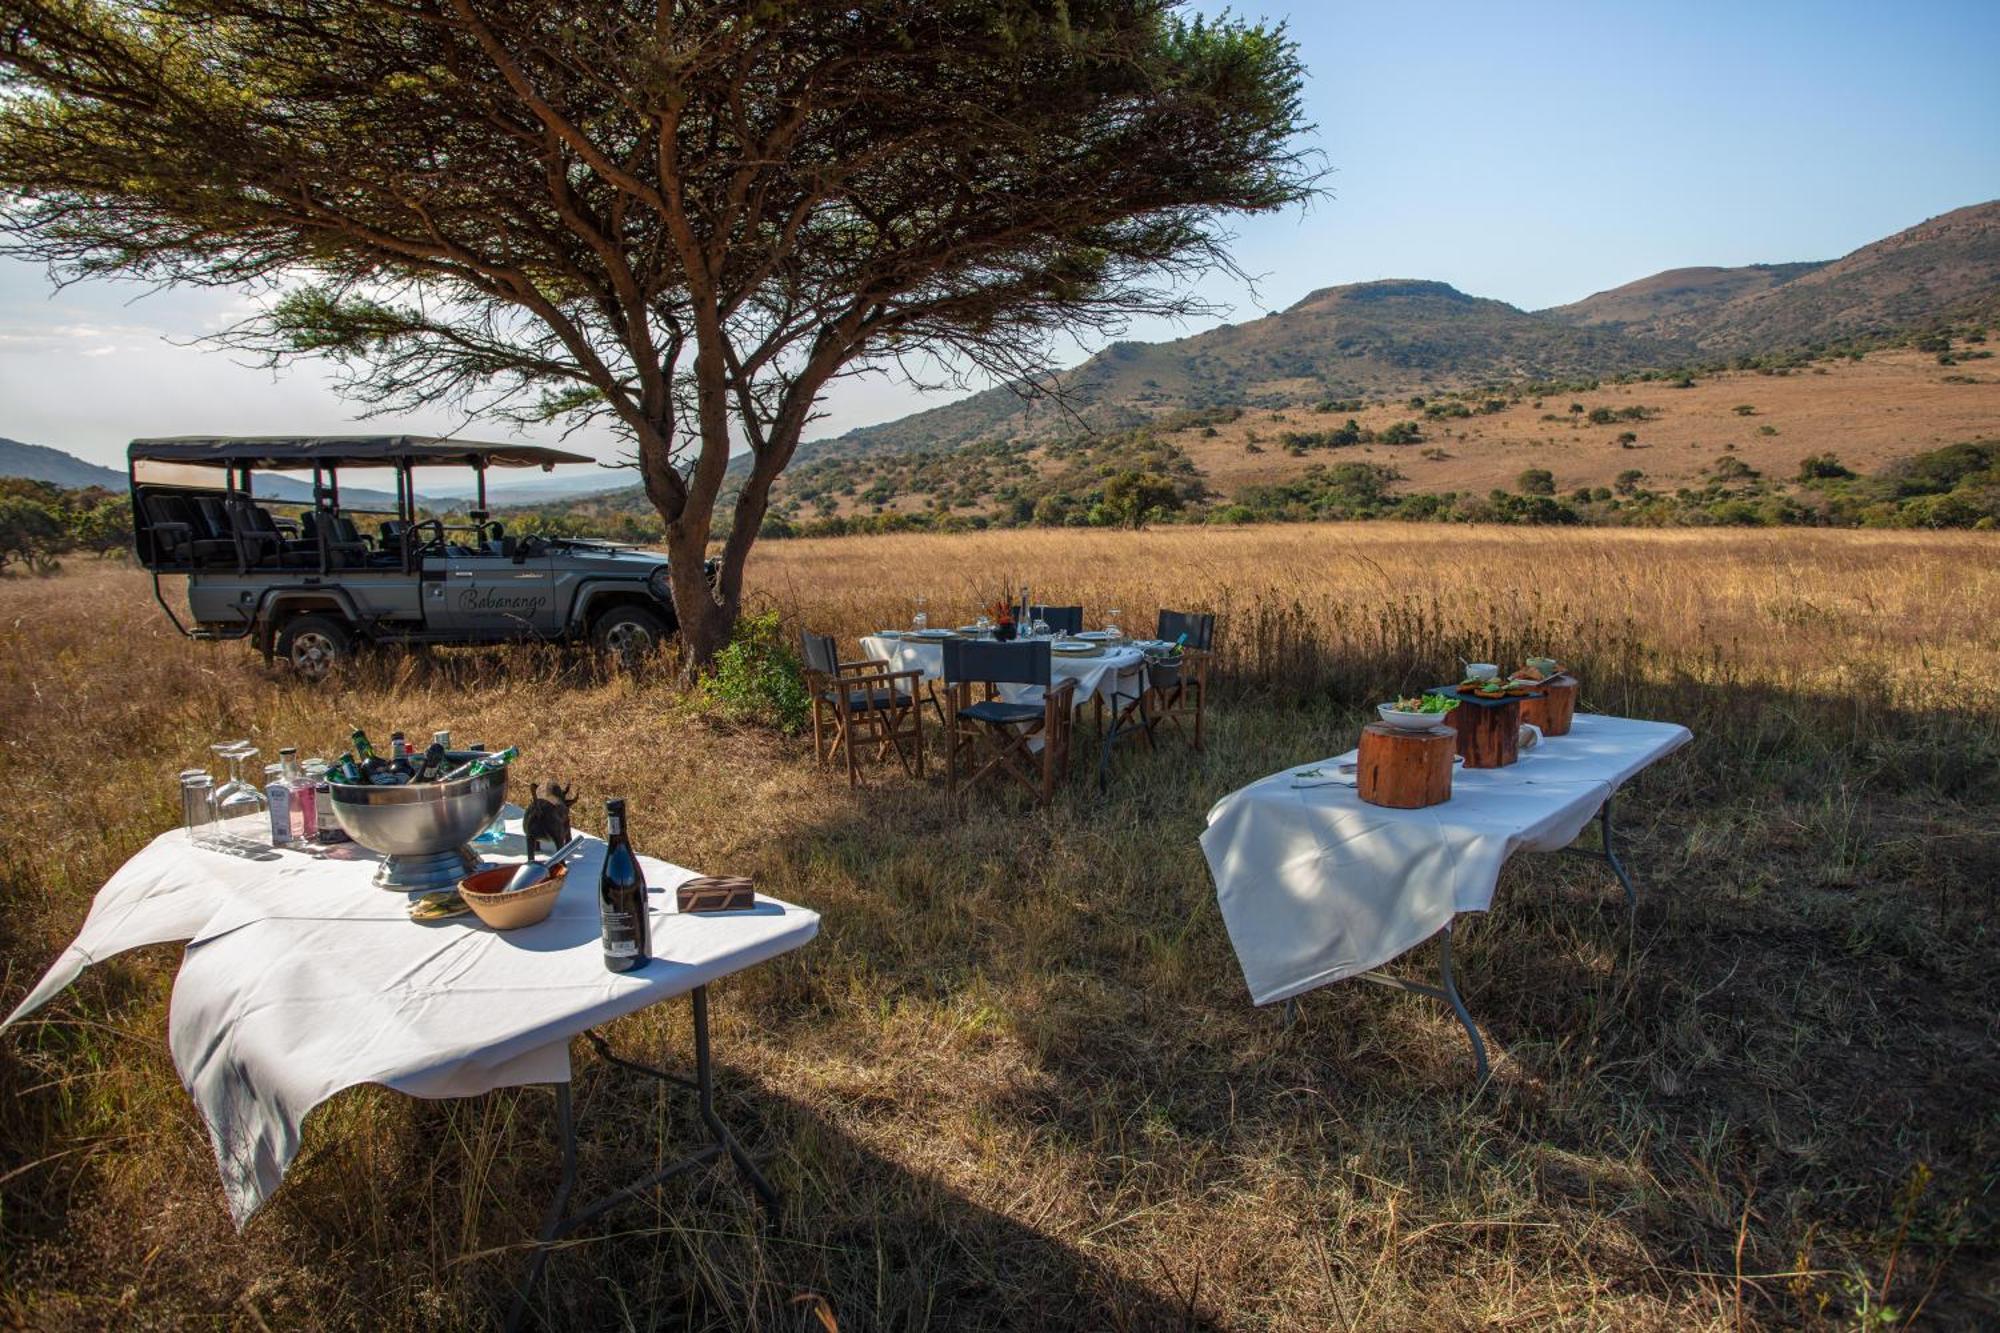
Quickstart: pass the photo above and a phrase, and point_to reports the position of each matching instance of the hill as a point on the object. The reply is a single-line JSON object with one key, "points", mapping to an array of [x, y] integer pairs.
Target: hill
{"points": [[38, 462], [1393, 337], [1944, 269]]}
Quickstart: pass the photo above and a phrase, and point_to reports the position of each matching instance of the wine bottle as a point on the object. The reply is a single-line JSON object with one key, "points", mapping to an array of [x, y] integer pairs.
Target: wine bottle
{"points": [[485, 763], [431, 767], [399, 756], [621, 897], [364, 753]]}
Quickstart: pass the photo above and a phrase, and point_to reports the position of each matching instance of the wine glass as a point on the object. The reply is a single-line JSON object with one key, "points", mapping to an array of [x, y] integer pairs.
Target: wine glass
{"points": [[1040, 628], [984, 624], [1111, 615], [237, 799], [921, 620]]}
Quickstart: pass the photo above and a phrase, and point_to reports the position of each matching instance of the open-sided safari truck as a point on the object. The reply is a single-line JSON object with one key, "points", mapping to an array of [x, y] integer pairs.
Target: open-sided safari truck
{"points": [[312, 588]]}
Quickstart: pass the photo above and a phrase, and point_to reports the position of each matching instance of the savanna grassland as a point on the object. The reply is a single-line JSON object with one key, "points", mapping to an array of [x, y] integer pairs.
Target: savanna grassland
{"points": [[1017, 1083]]}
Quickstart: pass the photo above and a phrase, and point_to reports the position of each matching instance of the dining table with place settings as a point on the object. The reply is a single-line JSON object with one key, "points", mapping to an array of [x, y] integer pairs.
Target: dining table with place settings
{"points": [[1104, 666]]}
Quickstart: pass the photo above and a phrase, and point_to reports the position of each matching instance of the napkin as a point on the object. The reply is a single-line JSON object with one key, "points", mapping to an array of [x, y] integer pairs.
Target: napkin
{"points": [[1326, 775]]}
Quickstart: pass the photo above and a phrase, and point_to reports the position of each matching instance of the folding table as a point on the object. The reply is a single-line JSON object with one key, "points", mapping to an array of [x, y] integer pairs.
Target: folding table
{"points": [[302, 978], [1317, 886]]}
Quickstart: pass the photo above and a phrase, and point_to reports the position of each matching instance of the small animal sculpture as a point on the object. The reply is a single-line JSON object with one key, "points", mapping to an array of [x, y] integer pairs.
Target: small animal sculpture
{"points": [[547, 819]]}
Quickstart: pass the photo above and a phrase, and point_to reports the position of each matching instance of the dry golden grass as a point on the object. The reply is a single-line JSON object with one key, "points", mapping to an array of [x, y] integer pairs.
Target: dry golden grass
{"points": [[1016, 1083]]}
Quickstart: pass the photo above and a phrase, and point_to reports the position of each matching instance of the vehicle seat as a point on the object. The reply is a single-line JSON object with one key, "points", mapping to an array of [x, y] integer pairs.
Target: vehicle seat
{"points": [[258, 535], [180, 534], [336, 535]]}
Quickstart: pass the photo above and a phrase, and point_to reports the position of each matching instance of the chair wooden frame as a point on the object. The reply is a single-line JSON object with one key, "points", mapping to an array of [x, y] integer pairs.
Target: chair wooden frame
{"points": [[976, 748], [1182, 702], [889, 716]]}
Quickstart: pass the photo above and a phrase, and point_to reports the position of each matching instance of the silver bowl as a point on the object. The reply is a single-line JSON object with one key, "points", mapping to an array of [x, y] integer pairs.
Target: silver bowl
{"points": [[421, 829]]}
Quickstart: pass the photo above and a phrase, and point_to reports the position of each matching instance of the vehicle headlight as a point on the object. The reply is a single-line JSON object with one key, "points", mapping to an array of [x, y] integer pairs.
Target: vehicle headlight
{"points": [[657, 582]]}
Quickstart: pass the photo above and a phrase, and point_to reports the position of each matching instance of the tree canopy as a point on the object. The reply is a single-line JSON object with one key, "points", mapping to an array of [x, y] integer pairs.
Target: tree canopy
{"points": [[683, 217]]}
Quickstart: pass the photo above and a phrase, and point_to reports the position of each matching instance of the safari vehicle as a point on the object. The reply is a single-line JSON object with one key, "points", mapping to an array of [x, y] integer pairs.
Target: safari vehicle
{"points": [[313, 588]]}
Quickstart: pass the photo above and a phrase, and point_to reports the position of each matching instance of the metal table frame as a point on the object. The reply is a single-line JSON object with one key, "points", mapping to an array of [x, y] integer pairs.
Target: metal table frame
{"points": [[1447, 987], [555, 1225]]}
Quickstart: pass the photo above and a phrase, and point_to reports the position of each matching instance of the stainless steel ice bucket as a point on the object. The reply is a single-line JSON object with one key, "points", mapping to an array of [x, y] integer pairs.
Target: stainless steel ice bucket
{"points": [[421, 828]]}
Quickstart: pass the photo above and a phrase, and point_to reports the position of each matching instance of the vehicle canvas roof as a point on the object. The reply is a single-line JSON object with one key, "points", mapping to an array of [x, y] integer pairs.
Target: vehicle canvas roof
{"points": [[300, 451]]}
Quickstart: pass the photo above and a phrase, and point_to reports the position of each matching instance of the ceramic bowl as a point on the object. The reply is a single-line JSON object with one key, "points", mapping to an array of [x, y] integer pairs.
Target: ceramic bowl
{"points": [[482, 892], [1396, 717]]}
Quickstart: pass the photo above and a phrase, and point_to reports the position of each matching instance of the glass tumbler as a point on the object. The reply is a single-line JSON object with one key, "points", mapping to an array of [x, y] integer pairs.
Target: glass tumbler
{"points": [[198, 806]]}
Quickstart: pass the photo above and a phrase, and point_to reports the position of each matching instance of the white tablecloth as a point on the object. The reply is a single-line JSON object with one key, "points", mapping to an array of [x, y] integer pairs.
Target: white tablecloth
{"points": [[1316, 885], [301, 978], [1093, 675]]}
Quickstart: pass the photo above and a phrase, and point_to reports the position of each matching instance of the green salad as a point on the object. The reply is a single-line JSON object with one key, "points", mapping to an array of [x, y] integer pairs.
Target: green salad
{"points": [[1426, 703]]}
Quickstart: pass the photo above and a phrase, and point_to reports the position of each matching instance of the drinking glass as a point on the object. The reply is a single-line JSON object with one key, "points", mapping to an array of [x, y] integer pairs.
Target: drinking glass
{"points": [[1040, 628], [984, 624], [198, 806], [921, 620], [1111, 623], [237, 799]]}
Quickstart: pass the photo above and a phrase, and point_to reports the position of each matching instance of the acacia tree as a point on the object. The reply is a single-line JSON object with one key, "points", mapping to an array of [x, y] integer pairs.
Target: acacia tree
{"points": [[681, 217]]}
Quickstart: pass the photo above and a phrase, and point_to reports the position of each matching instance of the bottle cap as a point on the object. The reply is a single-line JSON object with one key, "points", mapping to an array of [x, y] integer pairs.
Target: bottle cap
{"points": [[615, 806], [288, 749]]}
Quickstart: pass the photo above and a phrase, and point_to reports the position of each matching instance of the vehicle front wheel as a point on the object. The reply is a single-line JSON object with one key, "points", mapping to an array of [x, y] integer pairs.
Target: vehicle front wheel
{"points": [[314, 645], [629, 635]]}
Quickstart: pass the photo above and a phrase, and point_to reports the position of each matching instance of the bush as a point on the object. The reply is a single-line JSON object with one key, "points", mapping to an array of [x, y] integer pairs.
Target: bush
{"points": [[1537, 481], [1822, 467], [758, 677], [1628, 481], [1400, 432]]}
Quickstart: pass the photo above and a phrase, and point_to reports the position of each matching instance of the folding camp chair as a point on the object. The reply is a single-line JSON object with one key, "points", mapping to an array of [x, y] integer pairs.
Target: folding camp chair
{"points": [[1179, 692], [1060, 619], [855, 704], [990, 736]]}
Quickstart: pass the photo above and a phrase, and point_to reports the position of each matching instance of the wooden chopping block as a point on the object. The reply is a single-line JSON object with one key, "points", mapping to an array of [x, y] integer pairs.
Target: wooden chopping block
{"points": [[1556, 709], [1489, 735], [1405, 769]]}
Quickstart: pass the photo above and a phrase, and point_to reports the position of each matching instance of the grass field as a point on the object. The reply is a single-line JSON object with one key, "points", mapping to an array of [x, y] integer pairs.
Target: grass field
{"points": [[1017, 1082]]}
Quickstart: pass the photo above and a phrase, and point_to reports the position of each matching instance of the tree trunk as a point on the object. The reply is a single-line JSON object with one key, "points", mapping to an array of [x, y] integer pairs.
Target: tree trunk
{"points": [[706, 622]]}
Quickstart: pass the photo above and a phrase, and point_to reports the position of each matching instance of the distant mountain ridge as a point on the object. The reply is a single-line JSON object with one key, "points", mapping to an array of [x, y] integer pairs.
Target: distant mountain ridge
{"points": [[1400, 335], [38, 462]]}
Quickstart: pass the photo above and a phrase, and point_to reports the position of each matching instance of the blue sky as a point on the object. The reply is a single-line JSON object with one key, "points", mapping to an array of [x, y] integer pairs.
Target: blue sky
{"points": [[1534, 153]]}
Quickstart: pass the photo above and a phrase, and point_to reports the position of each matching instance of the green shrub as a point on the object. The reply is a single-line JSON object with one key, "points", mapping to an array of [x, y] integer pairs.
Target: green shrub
{"points": [[1537, 481], [758, 677]]}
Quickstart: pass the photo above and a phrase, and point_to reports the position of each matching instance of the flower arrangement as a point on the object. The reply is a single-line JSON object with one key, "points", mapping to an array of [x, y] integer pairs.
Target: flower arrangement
{"points": [[1002, 616]]}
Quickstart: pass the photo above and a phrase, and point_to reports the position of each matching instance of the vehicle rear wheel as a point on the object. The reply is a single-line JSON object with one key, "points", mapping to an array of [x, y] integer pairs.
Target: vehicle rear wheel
{"points": [[629, 635], [315, 644]]}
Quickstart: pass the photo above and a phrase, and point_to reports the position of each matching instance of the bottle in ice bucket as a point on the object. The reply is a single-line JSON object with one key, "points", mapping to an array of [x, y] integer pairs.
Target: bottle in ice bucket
{"points": [[621, 897], [485, 763], [329, 830]]}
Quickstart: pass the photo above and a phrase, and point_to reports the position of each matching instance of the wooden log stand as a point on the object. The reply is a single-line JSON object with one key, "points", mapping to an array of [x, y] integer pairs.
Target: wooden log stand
{"points": [[1556, 709], [1489, 734], [1405, 769]]}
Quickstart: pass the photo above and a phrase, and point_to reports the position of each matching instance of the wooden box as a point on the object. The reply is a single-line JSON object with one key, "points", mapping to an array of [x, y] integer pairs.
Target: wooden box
{"points": [[1405, 769], [1556, 709]]}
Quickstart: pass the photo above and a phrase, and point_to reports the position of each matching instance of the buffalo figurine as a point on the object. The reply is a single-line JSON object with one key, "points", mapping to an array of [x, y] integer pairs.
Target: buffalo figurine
{"points": [[547, 819]]}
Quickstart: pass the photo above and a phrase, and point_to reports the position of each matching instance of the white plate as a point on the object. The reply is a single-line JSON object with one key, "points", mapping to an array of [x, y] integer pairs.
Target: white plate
{"points": [[1100, 635], [930, 634], [1076, 645]]}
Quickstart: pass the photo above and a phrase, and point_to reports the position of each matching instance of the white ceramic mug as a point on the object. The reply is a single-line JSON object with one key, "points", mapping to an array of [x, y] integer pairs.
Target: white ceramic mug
{"points": [[1481, 671]]}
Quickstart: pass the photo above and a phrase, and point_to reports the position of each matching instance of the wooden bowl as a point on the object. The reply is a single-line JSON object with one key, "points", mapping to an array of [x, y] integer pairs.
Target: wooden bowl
{"points": [[510, 911]]}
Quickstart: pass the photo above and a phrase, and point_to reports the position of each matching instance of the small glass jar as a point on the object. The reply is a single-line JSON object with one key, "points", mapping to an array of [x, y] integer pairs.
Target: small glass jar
{"points": [[198, 806]]}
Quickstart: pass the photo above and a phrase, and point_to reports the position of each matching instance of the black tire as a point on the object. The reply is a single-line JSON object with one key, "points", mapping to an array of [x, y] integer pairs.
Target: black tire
{"points": [[313, 645], [629, 635]]}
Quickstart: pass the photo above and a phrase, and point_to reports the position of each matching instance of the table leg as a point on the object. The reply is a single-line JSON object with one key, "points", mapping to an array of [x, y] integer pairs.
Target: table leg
{"points": [[1607, 827], [1447, 991], [556, 1225], [1122, 707]]}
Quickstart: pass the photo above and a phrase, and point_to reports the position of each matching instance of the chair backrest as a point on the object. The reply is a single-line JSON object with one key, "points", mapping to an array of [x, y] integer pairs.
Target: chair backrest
{"points": [[251, 519], [1199, 626], [214, 519], [345, 531], [996, 663], [170, 509], [1061, 619], [820, 651]]}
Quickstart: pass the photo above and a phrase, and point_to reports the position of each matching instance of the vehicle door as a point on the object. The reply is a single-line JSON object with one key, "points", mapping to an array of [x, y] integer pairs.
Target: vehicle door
{"points": [[486, 595]]}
